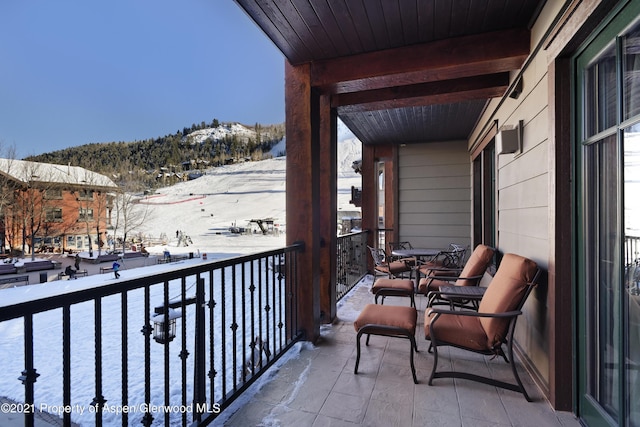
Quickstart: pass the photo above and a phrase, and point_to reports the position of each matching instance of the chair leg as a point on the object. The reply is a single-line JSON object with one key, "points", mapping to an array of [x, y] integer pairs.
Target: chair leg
{"points": [[382, 294], [396, 333], [435, 362], [515, 373], [412, 346], [518, 387], [355, 370]]}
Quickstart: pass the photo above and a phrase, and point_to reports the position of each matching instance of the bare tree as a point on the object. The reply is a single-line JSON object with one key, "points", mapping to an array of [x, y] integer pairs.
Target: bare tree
{"points": [[129, 214], [30, 201], [92, 203], [8, 188]]}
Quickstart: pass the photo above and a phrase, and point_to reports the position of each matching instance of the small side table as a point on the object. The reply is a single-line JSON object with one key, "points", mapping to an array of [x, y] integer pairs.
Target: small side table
{"points": [[461, 293]]}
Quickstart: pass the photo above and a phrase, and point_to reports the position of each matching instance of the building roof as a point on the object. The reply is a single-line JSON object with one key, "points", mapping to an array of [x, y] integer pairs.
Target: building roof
{"points": [[35, 173]]}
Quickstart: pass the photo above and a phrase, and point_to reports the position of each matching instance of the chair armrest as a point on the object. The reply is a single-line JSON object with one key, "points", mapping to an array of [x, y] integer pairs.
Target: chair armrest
{"points": [[443, 278], [452, 278], [446, 269], [503, 315]]}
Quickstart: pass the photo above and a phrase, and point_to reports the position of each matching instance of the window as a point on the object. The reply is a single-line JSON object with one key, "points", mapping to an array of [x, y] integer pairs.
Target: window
{"points": [[484, 197], [53, 215], [53, 193], [85, 215], [85, 194]]}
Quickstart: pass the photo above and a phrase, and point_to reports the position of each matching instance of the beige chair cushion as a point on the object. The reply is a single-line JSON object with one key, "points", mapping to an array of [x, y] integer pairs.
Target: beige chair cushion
{"points": [[426, 267], [387, 315], [505, 293], [448, 328], [427, 284], [394, 268], [475, 266], [399, 284], [398, 267]]}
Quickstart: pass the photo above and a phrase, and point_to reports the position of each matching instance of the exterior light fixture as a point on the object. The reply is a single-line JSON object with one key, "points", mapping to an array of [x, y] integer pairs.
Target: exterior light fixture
{"points": [[165, 332], [509, 139], [164, 319], [517, 88]]}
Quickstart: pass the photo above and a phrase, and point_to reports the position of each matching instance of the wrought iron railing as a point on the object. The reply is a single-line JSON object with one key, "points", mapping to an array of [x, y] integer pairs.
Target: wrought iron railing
{"points": [[218, 325], [632, 249], [351, 262], [632, 264]]}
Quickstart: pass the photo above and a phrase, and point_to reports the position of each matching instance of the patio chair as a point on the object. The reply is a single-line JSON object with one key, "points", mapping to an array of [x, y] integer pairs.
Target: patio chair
{"points": [[446, 262], [401, 245], [470, 275], [391, 268], [491, 327]]}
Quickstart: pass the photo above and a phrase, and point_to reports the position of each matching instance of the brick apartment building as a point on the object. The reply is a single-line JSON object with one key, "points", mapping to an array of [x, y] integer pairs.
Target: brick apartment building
{"points": [[47, 207]]}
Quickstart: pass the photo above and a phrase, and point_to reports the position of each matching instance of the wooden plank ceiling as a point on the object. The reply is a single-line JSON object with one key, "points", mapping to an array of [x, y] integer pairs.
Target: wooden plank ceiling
{"points": [[403, 71]]}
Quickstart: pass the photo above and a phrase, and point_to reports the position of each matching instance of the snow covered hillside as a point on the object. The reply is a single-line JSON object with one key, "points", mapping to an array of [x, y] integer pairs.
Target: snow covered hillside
{"points": [[241, 132], [205, 208]]}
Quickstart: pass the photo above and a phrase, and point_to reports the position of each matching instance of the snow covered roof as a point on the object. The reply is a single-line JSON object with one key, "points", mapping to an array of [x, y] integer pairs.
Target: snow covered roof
{"points": [[27, 172]]}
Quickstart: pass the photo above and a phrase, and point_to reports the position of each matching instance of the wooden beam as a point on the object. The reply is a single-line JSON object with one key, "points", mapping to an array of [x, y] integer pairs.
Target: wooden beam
{"points": [[301, 197], [459, 57], [442, 92], [328, 193]]}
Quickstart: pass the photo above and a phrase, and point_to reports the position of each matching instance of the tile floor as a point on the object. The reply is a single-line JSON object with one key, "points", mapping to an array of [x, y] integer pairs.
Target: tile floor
{"points": [[316, 385]]}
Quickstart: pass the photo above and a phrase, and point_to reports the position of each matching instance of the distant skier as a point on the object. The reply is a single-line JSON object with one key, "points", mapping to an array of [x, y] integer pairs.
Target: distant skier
{"points": [[116, 267]]}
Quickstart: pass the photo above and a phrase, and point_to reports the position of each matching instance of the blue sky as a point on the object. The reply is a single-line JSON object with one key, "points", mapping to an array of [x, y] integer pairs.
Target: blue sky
{"points": [[74, 72]]}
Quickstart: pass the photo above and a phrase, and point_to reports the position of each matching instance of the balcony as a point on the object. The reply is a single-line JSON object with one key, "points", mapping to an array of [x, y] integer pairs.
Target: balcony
{"points": [[316, 386], [234, 355]]}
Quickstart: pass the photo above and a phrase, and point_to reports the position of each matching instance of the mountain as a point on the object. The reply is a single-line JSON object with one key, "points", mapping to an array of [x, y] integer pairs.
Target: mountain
{"points": [[149, 161], [232, 195]]}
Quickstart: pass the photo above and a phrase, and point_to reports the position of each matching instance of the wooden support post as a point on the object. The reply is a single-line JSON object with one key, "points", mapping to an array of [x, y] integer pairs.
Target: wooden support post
{"points": [[328, 135], [303, 182]]}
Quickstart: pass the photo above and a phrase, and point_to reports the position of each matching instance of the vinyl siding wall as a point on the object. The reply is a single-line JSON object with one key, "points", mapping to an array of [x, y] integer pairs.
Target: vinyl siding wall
{"points": [[523, 192], [434, 194]]}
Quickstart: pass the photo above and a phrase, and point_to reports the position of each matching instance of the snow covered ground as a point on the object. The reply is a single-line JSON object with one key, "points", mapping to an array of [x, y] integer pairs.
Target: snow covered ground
{"points": [[203, 209]]}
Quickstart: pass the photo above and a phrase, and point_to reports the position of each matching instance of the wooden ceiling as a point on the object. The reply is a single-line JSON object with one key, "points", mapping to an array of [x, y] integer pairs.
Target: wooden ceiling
{"points": [[403, 71]]}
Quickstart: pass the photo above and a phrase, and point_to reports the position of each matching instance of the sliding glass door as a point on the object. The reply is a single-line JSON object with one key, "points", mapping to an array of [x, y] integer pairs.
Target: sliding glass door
{"points": [[608, 216]]}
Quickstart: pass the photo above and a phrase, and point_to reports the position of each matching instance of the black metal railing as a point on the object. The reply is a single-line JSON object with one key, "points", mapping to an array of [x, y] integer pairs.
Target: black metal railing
{"points": [[632, 264], [632, 249], [351, 261], [175, 347]]}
